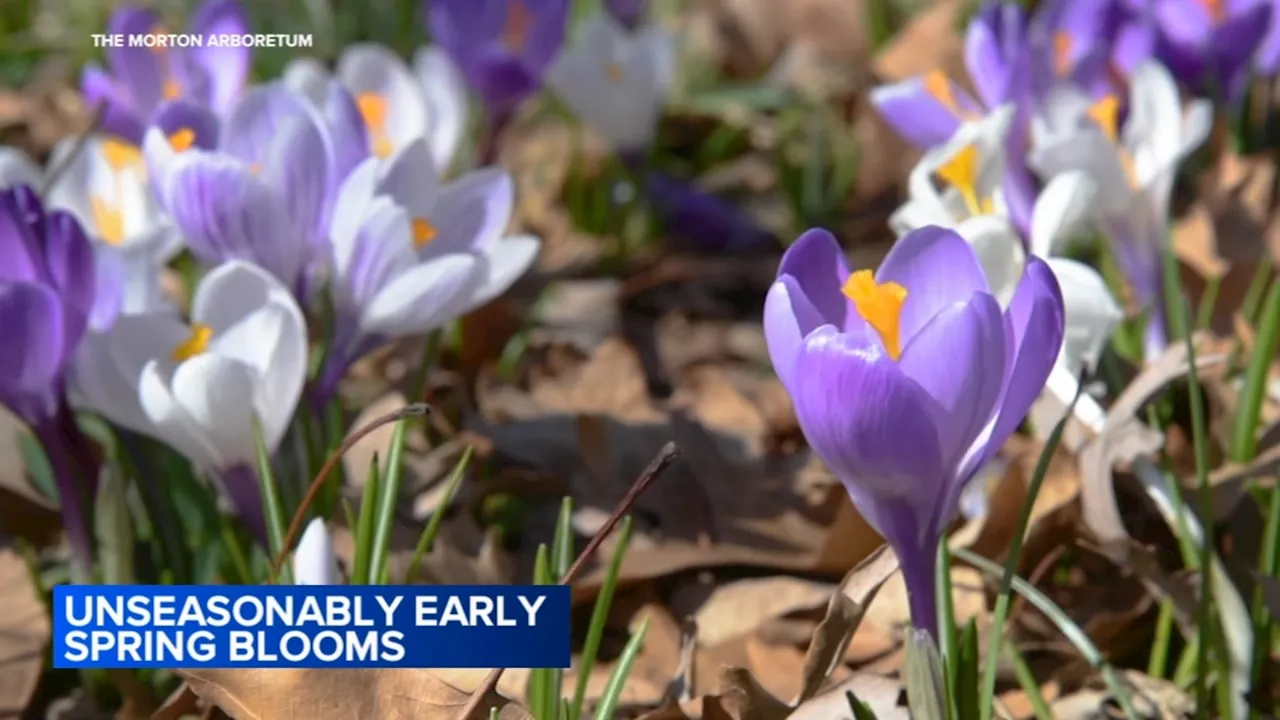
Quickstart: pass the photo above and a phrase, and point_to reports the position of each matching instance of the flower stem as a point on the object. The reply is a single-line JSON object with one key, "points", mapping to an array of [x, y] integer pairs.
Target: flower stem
{"points": [[74, 471]]}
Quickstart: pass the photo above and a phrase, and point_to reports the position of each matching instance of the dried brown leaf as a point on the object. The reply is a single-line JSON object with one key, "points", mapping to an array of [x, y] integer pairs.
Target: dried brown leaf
{"points": [[743, 698], [880, 694], [24, 633], [844, 613], [338, 694]]}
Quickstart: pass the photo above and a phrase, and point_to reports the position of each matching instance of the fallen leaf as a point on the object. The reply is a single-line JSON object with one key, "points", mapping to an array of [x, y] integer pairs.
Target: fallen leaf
{"points": [[880, 694], [24, 633], [743, 698], [737, 608], [844, 614], [338, 694]]}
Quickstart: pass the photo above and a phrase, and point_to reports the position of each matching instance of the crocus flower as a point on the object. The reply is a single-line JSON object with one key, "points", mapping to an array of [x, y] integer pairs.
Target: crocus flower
{"points": [[928, 110], [48, 291], [1134, 167], [262, 195], [410, 254], [615, 81], [1207, 44], [138, 79], [17, 168], [502, 46], [629, 13], [1073, 41], [314, 562], [395, 104], [689, 213], [105, 186], [907, 380], [199, 387]]}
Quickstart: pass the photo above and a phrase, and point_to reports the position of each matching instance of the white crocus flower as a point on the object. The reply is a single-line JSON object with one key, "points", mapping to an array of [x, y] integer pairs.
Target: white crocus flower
{"points": [[1133, 167], [398, 104], [314, 562], [105, 186], [17, 168], [410, 254], [199, 387], [617, 81], [971, 165]]}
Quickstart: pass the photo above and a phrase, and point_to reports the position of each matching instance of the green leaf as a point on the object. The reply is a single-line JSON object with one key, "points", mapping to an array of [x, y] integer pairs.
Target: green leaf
{"points": [[360, 564], [858, 708], [38, 467], [599, 616], [274, 514], [387, 506], [114, 530], [432, 529], [926, 688], [618, 679]]}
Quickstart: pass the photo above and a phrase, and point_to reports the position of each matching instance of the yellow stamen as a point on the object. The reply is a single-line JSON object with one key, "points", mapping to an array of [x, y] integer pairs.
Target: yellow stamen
{"points": [[423, 232], [182, 140], [937, 85], [172, 89], [109, 220], [121, 155], [255, 168], [373, 108], [613, 72], [880, 305], [1106, 113], [961, 173], [156, 32], [197, 342], [1062, 43], [515, 33]]}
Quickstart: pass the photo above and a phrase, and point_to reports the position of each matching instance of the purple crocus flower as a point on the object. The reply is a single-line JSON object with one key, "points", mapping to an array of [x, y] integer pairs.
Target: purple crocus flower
{"points": [[1207, 44], [1073, 41], [688, 213], [261, 194], [138, 79], [906, 381], [927, 110], [48, 289], [502, 46]]}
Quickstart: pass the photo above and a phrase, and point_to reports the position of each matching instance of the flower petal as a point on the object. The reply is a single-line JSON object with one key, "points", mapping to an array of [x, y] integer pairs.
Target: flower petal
{"points": [[217, 393], [31, 361], [958, 358], [472, 212], [1063, 206], [257, 119], [308, 77], [118, 115], [789, 317], [445, 92], [410, 178], [999, 252], [937, 267], [138, 69], [502, 263], [818, 264], [109, 366], [69, 258], [226, 67], [314, 562], [17, 168], [1033, 336], [873, 426], [1091, 313], [372, 68], [918, 115], [423, 298], [298, 166]]}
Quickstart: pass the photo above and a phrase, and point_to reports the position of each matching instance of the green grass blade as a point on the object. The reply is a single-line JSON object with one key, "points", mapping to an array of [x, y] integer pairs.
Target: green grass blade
{"points": [[562, 545], [273, 514], [365, 524], [599, 614], [1158, 660], [1244, 431], [858, 708], [1029, 684], [387, 502], [970, 661], [429, 533], [542, 698], [949, 639], [1069, 629], [618, 680], [987, 704]]}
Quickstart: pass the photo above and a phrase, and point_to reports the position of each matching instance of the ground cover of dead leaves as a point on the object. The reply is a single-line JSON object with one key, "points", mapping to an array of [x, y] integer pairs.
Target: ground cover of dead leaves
{"points": [[738, 552]]}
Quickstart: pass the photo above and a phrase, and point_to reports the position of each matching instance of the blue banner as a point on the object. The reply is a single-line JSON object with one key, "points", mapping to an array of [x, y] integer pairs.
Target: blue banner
{"points": [[310, 626]]}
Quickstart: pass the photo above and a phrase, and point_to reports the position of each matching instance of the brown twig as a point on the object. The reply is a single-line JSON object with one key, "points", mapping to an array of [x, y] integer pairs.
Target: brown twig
{"points": [[95, 124], [665, 456], [295, 525]]}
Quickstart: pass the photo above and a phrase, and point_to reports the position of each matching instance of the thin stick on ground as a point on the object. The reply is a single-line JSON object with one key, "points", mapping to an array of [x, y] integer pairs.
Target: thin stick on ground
{"points": [[95, 124], [295, 525], [664, 458]]}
